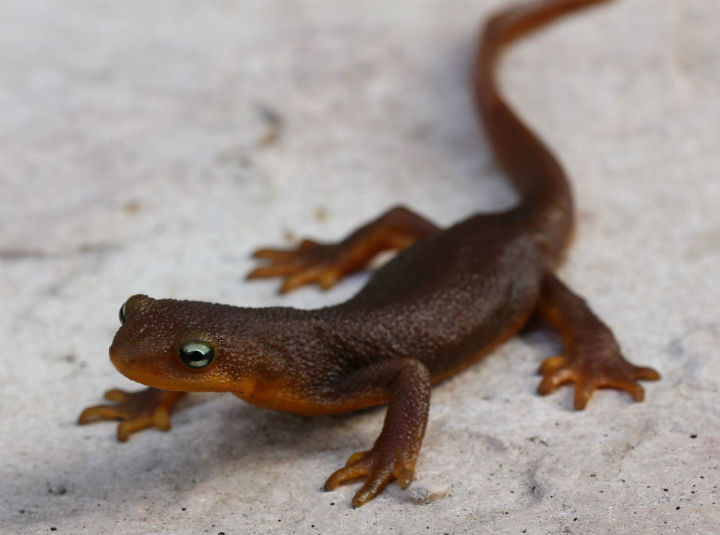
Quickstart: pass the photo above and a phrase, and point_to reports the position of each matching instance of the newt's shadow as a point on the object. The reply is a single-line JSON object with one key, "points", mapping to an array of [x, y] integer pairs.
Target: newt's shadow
{"points": [[211, 435]]}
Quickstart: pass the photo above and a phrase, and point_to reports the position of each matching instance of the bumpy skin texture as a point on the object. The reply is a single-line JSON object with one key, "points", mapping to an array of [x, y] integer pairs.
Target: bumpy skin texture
{"points": [[447, 299]]}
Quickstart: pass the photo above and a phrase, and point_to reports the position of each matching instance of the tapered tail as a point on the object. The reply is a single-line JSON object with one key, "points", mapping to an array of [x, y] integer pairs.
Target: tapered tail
{"points": [[545, 195]]}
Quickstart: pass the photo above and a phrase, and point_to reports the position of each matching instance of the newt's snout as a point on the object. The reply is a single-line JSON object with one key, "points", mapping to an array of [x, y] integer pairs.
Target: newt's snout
{"points": [[121, 360]]}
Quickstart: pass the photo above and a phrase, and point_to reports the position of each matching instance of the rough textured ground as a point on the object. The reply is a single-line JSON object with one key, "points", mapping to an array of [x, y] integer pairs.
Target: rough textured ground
{"points": [[149, 146]]}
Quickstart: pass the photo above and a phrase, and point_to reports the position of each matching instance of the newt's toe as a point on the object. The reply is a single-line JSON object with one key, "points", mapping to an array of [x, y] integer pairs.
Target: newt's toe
{"points": [[135, 410], [379, 471], [97, 413], [589, 375], [309, 263], [644, 373], [353, 469]]}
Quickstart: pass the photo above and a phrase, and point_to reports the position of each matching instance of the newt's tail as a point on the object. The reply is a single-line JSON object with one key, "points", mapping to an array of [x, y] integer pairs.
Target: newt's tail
{"points": [[544, 190]]}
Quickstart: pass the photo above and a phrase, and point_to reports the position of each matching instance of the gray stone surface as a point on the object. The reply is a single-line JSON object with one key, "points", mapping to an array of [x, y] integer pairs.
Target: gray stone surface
{"points": [[137, 155]]}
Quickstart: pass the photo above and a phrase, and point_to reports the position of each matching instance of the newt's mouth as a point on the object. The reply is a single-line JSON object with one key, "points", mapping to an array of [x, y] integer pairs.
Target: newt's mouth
{"points": [[131, 367], [121, 360], [132, 371]]}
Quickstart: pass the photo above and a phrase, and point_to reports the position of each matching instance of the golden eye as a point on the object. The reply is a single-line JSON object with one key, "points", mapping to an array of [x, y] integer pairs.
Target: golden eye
{"points": [[196, 354], [122, 314]]}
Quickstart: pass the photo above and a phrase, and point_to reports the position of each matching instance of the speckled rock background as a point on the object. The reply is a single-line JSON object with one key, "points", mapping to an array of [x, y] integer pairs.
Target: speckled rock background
{"points": [[150, 146]]}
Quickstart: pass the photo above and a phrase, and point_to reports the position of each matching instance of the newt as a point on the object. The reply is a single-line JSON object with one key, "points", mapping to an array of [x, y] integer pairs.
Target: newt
{"points": [[446, 299]]}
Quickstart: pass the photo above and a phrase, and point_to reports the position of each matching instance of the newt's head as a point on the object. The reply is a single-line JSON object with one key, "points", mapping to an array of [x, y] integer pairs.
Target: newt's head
{"points": [[185, 346]]}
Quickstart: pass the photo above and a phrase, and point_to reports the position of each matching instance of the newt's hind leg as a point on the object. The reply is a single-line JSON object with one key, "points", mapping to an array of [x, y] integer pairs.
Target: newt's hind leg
{"points": [[592, 358], [326, 263]]}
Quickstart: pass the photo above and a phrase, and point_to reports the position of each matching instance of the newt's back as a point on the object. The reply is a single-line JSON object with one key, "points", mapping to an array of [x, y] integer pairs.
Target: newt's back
{"points": [[453, 295]]}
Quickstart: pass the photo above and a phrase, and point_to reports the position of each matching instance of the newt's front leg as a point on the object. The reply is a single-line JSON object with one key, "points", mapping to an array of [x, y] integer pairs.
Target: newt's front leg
{"points": [[395, 452], [326, 263], [136, 410], [592, 358]]}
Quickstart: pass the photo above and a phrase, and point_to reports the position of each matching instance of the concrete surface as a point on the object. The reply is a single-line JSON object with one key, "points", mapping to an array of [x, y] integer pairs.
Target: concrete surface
{"points": [[141, 152]]}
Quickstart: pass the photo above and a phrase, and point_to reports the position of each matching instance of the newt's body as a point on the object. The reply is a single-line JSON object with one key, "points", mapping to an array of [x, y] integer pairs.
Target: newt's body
{"points": [[446, 300]]}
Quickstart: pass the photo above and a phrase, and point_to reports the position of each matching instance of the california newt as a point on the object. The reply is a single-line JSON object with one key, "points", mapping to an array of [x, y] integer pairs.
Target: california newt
{"points": [[444, 301]]}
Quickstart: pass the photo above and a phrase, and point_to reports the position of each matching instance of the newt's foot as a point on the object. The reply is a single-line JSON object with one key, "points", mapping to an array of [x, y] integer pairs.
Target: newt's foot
{"points": [[327, 263], [590, 372], [137, 410], [379, 467], [310, 262]]}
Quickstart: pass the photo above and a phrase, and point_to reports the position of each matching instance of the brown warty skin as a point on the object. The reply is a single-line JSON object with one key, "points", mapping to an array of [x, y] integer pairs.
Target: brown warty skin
{"points": [[448, 298]]}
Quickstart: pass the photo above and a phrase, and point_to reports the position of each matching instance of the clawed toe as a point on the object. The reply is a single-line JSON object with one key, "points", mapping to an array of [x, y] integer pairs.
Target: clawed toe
{"points": [[117, 395], [135, 410], [309, 263], [353, 469], [378, 470], [589, 375], [97, 413], [554, 375], [644, 373], [275, 270]]}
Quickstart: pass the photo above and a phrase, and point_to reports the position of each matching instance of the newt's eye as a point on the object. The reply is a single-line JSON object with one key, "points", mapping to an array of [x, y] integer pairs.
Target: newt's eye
{"points": [[197, 354], [122, 314]]}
